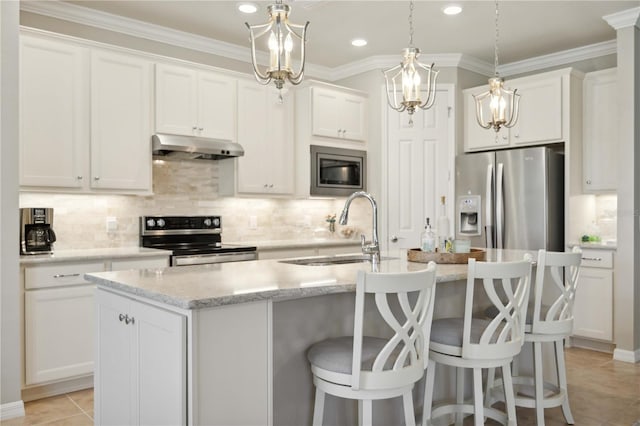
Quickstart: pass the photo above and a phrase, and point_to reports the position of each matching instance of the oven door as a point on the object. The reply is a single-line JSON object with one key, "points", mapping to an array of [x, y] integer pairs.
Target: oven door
{"points": [[204, 259]]}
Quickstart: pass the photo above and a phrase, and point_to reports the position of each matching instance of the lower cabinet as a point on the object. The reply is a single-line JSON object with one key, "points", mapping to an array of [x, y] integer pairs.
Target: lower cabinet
{"points": [[593, 308], [140, 375]]}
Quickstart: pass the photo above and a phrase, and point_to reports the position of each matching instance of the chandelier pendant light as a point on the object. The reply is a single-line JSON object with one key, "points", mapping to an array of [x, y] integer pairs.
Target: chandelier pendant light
{"points": [[404, 82], [281, 37], [503, 103]]}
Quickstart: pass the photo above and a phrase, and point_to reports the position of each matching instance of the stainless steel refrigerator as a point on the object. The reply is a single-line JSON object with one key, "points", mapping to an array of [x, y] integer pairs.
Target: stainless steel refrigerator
{"points": [[511, 199]]}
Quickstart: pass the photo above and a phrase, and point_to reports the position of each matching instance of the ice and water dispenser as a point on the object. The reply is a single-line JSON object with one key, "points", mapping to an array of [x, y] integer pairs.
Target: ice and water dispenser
{"points": [[469, 217]]}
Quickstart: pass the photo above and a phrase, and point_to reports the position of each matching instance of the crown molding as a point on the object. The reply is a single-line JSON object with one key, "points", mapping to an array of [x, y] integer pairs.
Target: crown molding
{"points": [[624, 18], [132, 27], [559, 58]]}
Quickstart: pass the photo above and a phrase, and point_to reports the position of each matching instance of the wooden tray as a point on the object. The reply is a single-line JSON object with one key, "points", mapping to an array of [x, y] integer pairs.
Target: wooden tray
{"points": [[417, 255]]}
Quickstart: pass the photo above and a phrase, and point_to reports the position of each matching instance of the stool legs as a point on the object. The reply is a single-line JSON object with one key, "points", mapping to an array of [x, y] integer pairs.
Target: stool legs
{"points": [[318, 410], [509, 396], [428, 393], [562, 380], [409, 416], [478, 400], [538, 382], [459, 393]]}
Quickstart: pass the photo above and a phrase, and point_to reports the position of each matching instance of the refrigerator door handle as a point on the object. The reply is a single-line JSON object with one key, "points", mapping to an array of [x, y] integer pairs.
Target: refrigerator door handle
{"points": [[499, 207], [488, 215]]}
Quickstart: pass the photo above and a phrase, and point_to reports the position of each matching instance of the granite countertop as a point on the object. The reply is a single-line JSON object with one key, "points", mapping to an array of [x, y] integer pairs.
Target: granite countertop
{"points": [[91, 254], [293, 244], [203, 286]]}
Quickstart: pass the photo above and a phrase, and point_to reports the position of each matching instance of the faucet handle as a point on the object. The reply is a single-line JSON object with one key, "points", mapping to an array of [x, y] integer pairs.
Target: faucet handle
{"points": [[363, 240]]}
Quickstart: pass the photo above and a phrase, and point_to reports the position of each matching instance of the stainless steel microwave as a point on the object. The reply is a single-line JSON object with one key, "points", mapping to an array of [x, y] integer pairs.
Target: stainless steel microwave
{"points": [[337, 172]]}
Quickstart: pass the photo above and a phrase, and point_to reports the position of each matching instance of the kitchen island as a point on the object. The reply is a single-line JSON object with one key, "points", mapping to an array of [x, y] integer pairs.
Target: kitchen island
{"points": [[225, 344]]}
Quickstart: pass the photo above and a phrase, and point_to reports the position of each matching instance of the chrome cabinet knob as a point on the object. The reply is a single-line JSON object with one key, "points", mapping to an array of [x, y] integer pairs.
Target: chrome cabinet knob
{"points": [[588, 181], [79, 177], [394, 239], [121, 317], [96, 178]]}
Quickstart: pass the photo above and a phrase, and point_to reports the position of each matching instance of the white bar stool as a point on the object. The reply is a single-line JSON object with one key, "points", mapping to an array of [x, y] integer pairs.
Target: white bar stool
{"points": [[371, 368], [479, 343], [556, 279]]}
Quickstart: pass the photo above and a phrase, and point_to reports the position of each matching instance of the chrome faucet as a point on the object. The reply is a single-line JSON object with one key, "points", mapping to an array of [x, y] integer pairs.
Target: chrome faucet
{"points": [[371, 248]]}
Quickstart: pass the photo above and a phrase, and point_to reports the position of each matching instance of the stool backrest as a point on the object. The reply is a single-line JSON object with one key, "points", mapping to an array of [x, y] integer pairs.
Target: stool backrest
{"points": [[560, 272], [502, 336], [405, 301]]}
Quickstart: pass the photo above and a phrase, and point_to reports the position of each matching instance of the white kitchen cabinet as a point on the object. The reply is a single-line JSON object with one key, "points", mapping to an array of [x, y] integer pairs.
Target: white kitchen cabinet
{"points": [[140, 377], [265, 131], [85, 119], [54, 113], [600, 131], [593, 306], [120, 122], [542, 117], [338, 114], [194, 102], [58, 321]]}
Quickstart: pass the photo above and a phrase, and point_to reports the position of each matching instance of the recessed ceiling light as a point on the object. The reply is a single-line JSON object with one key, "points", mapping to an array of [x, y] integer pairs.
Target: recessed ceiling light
{"points": [[358, 42], [452, 9], [247, 7]]}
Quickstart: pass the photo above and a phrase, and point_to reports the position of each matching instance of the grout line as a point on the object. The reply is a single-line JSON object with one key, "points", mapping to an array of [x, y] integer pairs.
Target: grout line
{"points": [[79, 408]]}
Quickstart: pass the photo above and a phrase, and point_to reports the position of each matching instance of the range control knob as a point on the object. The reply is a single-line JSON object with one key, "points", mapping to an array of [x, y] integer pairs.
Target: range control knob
{"points": [[207, 222], [216, 222], [161, 223], [151, 223]]}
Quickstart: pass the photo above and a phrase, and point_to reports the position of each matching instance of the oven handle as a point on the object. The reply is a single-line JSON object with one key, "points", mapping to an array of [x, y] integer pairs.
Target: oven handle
{"points": [[203, 259]]}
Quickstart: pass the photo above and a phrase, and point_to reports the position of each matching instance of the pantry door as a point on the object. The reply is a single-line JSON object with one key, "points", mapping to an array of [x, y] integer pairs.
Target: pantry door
{"points": [[420, 159]]}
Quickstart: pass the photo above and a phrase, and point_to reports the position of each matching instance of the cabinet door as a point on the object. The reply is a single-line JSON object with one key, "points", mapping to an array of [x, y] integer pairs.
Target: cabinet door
{"points": [[540, 119], [325, 114], [593, 308], [476, 137], [54, 106], [600, 134], [120, 122], [176, 100], [265, 133], [115, 358], [353, 115], [160, 366], [216, 106], [58, 333]]}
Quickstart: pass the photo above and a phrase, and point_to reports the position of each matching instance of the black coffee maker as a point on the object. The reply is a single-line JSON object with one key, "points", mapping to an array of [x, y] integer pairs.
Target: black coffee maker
{"points": [[36, 230]]}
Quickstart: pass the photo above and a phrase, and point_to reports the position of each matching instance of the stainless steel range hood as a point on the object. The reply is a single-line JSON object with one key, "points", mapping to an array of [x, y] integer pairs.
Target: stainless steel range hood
{"points": [[193, 148]]}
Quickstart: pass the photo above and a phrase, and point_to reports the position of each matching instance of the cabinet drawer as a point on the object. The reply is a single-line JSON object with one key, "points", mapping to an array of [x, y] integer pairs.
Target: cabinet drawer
{"points": [[59, 274], [597, 258]]}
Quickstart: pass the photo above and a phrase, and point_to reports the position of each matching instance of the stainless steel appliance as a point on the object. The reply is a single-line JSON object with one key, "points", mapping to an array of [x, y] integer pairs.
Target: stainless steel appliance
{"points": [[337, 172], [180, 147], [36, 230], [194, 240], [511, 199]]}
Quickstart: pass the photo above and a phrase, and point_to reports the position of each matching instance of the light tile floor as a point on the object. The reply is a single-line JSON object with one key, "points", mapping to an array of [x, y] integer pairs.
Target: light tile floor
{"points": [[602, 392]]}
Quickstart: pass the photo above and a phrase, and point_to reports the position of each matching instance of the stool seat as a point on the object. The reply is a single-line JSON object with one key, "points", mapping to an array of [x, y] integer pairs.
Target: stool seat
{"points": [[447, 334], [336, 355]]}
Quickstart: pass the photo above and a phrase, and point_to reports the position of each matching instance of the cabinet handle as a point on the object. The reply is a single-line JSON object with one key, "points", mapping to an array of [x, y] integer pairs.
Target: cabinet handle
{"points": [[194, 128], [96, 178], [394, 239], [79, 177], [121, 317], [588, 181], [201, 128], [65, 275], [128, 320], [517, 136], [271, 185], [596, 259]]}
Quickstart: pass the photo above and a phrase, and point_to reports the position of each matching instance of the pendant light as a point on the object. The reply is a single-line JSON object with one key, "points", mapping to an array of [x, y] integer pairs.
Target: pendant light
{"points": [[503, 103], [281, 37], [403, 82]]}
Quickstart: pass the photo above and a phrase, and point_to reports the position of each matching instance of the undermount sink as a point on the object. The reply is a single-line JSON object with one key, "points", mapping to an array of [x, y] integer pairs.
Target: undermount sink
{"points": [[331, 260]]}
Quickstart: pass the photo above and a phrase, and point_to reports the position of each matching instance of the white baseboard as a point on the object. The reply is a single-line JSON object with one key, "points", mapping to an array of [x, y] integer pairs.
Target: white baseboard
{"points": [[626, 356], [11, 410]]}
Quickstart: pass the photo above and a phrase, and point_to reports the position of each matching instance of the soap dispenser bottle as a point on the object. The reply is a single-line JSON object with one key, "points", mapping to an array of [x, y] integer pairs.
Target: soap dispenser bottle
{"points": [[428, 239]]}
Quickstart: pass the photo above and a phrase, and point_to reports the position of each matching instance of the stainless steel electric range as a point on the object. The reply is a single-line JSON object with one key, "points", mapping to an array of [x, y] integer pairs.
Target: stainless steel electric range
{"points": [[194, 240]]}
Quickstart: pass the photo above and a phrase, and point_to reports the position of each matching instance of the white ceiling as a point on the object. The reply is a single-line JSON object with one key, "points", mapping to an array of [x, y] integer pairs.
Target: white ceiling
{"points": [[527, 28]]}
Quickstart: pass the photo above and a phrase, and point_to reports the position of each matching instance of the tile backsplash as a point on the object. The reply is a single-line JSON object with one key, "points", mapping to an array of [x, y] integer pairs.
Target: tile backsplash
{"points": [[606, 220], [191, 188]]}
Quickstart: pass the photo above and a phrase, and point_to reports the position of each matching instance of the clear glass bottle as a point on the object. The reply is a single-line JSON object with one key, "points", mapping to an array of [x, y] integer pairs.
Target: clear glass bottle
{"points": [[443, 228], [428, 238]]}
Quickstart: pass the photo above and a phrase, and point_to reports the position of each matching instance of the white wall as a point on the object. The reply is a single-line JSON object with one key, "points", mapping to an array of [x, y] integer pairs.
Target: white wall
{"points": [[9, 288]]}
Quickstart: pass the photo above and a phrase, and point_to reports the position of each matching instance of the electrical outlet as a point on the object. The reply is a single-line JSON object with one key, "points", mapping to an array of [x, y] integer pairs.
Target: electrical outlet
{"points": [[112, 224], [253, 222]]}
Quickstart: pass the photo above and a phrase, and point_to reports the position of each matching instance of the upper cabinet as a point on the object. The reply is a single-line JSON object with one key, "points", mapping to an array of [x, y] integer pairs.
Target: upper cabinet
{"points": [[542, 108], [54, 114], [338, 114], [193, 102], [600, 131], [265, 131], [85, 118]]}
